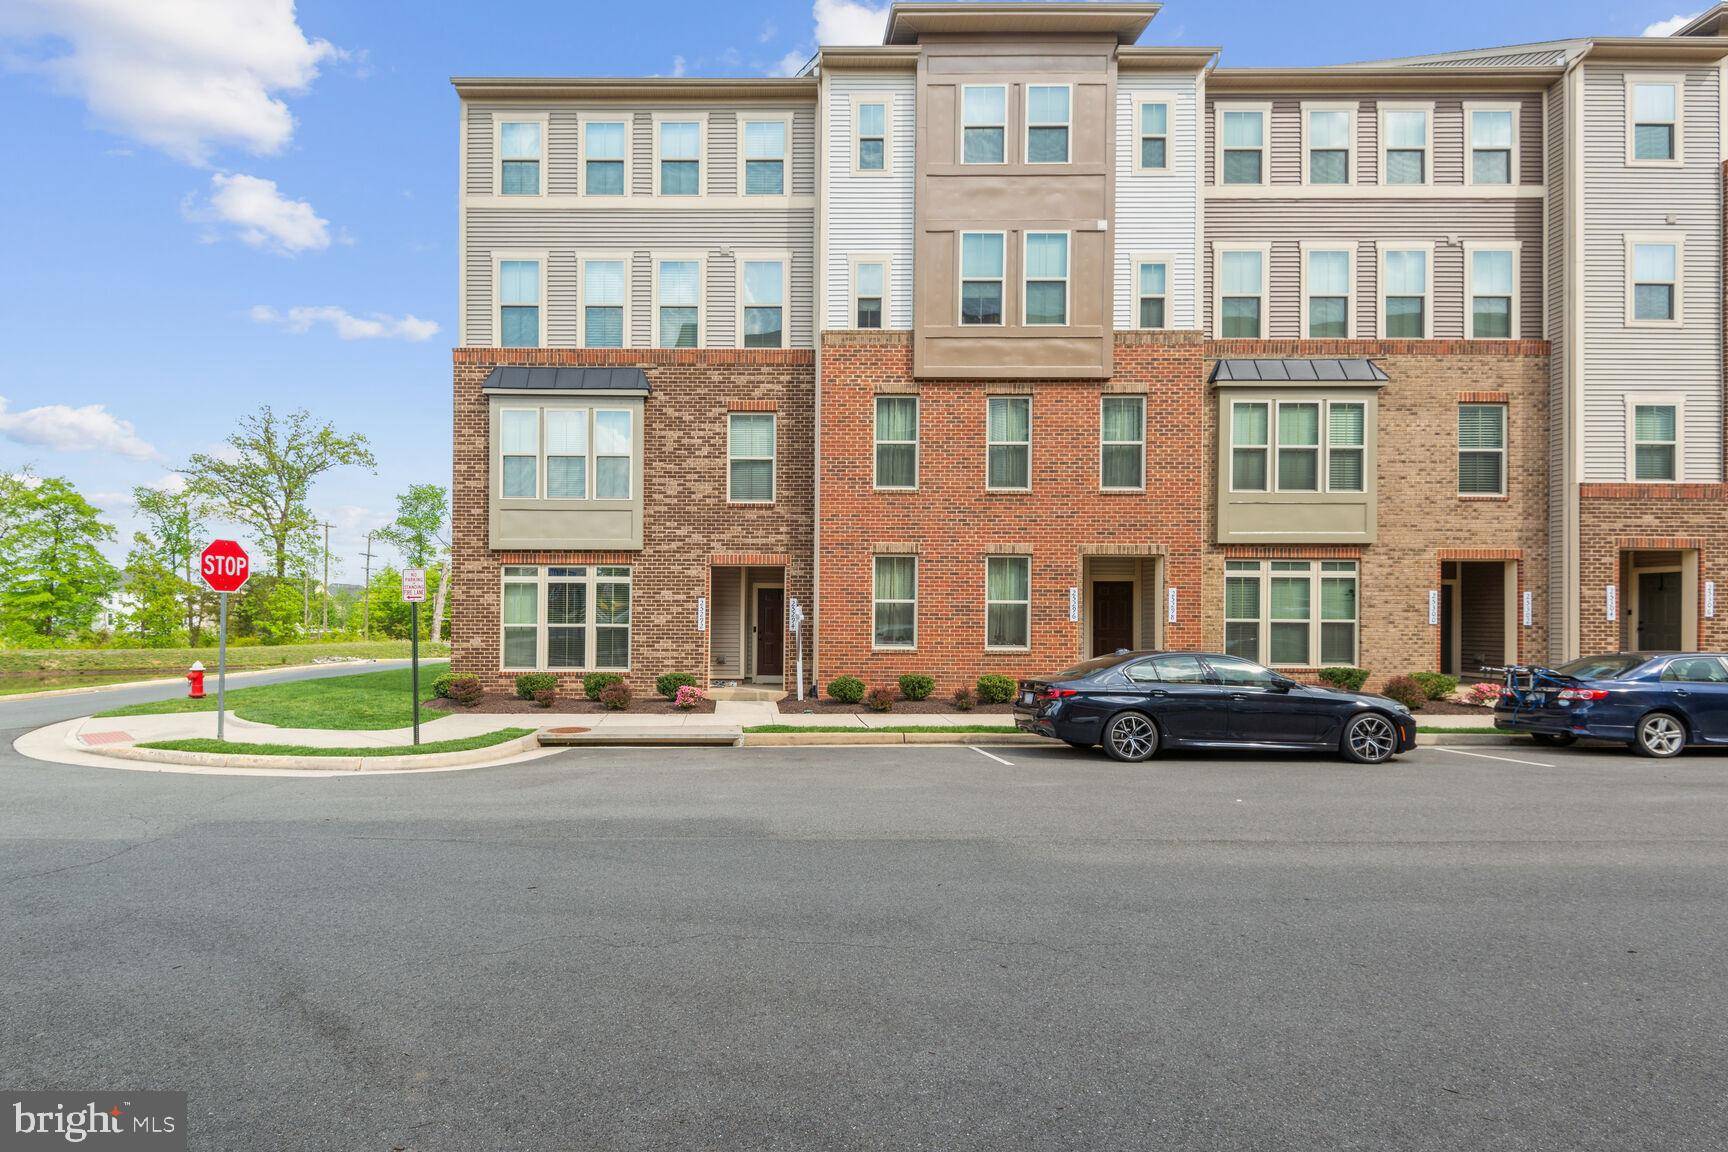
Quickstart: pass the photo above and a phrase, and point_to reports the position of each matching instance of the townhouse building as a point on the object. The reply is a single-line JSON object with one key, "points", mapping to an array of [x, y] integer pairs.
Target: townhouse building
{"points": [[1010, 341]]}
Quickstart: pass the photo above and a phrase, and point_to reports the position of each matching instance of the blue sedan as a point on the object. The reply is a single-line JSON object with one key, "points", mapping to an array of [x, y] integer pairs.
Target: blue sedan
{"points": [[1658, 703]]}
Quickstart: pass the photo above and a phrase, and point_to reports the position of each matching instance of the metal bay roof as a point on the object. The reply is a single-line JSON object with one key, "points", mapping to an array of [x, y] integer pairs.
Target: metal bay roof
{"points": [[512, 378], [1254, 371]]}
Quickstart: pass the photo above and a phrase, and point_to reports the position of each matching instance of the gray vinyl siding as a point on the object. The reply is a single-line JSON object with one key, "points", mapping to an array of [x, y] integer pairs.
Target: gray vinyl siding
{"points": [[1157, 212], [1621, 360], [725, 625], [1285, 224], [870, 214]]}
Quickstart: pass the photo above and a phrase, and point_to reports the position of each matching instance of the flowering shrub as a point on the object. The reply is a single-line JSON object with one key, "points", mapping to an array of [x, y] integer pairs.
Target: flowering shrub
{"points": [[545, 697], [879, 700], [688, 696], [615, 697], [1484, 694]]}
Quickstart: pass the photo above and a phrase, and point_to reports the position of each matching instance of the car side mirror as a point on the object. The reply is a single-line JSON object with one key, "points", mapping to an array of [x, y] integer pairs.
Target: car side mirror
{"points": [[1283, 684]]}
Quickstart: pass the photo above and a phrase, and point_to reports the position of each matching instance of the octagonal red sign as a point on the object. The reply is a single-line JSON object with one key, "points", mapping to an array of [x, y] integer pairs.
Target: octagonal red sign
{"points": [[224, 566]]}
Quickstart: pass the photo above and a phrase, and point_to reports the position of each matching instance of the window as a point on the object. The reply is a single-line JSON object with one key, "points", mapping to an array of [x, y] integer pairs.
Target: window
{"points": [[680, 151], [1123, 438], [1152, 278], [1154, 154], [544, 453], [678, 284], [613, 439], [895, 602], [983, 120], [1242, 159], [1008, 602], [603, 151], [519, 451], [750, 457], [1653, 106], [1298, 447], [1655, 441], [519, 303], [981, 277], [1492, 143], [521, 616], [566, 453], [1279, 446], [1327, 275], [765, 157], [1697, 670], [1329, 145], [896, 442], [1653, 291], [1170, 670], [548, 624], [1237, 672], [1481, 449], [1270, 611], [1493, 291], [869, 293], [519, 153], [1047, 114], [1250, 445], [1008, 435], [763, 301], [1404, 293], [603, 297], [1046, 296], [870, 124], [1404, 144], [1346, 445], [1241, 292]]}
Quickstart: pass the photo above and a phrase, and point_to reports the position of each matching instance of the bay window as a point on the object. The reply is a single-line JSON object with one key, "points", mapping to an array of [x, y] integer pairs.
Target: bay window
{"points": [[544, 453], [1291, 613], [566, 617]]}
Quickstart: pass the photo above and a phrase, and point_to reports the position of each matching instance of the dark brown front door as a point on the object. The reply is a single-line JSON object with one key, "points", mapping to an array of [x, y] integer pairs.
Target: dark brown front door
{"points": [[770, 631], [1659, 624], [1112, 616]]}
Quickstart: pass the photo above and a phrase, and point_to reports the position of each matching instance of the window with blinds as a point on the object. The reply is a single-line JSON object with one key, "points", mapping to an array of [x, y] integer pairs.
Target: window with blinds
{"points": [[1008, 435], [1655, 440], [1291, 613], [896, 442], [1298, 446], [603, 303], [575, 618], [1482, 449], [750, 445]]}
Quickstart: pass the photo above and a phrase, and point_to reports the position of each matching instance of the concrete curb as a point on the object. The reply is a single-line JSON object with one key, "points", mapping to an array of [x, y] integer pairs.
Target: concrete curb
{"points": [[938, 736], [50, 693], [469, 757]]}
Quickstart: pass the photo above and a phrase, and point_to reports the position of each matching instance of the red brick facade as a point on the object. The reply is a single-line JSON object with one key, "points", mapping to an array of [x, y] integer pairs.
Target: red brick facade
{"points": [[1619, 519]]}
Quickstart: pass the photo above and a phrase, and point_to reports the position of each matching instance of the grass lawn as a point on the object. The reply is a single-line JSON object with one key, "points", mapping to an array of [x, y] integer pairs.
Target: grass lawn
{"points": [[996, 729], [368, 700], [39, 669], [231, 748]]}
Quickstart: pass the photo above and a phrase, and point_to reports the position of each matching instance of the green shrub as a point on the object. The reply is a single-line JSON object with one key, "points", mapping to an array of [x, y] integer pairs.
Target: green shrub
{"points": [[846, 689], [544, 697], [1349, 679], [1437, 685], [995, 689], [441, 684], [597, 682], [669, 683], [963, 700], [615, 697], [1406, 691], [916, 685], [466, 690], [879, 700], [531, 682]]}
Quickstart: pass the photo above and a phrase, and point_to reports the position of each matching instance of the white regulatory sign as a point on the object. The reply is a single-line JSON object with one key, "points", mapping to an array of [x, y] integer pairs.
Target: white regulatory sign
{"points": [[413, 585]]}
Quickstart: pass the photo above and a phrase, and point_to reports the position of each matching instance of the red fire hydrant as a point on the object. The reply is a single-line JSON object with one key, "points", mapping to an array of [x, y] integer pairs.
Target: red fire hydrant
{"points": [[195, 676]]}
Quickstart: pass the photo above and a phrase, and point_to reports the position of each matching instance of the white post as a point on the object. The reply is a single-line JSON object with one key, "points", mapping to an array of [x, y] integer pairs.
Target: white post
{"points": [[222, 665]]}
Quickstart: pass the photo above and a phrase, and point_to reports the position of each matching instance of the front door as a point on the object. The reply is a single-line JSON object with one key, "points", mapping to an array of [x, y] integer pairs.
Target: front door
{"points": [[770, 631], [1112, 616], [1658, 611]]}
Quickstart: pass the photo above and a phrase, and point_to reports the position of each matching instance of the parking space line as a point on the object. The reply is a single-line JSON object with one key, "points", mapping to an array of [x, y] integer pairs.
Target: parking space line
{"points": [[991, 755], [1486, 756]]}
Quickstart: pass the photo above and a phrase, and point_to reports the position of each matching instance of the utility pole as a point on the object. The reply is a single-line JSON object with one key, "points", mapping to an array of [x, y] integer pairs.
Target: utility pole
{"points": [[326, 626], [366, 593]]}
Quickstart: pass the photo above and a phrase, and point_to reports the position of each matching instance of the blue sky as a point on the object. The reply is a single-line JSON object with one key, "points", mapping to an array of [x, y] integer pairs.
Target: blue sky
{"points": [[214, 204]]}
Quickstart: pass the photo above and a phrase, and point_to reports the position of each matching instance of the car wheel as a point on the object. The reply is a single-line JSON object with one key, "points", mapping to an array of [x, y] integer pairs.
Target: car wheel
{"points": [[1661, 735], [1554, 739], [1130, 736], [1370, 739]]}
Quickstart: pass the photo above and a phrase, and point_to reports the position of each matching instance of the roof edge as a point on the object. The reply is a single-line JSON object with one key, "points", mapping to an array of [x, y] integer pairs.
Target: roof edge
{"points": [[907, 20], [632, 87], [1350, 76], [1166, 56]]}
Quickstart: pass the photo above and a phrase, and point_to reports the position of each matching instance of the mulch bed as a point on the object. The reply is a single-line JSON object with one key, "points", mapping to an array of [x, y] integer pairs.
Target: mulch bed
{"points": [[827, 707], [1453, 708], [509, 703]]}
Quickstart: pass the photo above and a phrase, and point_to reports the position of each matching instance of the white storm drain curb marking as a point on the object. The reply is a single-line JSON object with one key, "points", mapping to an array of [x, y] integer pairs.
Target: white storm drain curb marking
{"points": [[1485, 756], [992, 756]]}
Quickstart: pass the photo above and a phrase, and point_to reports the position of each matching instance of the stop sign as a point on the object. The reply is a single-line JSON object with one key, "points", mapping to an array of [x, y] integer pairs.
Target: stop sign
{"points": [[224, 566]]}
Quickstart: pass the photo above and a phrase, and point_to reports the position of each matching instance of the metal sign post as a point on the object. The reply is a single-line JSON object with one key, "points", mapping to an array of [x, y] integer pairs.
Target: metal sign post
{"points": [[796, 616], [221, 664], [225, 567], [414, 592]]}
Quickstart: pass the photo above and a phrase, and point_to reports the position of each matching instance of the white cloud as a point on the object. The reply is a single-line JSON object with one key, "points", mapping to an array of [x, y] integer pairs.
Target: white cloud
{"points": [[769, 31], [259, 215], [170, 482], [791, 63], [347, 326], [849, 22], [61, 428], [678, 66], [1669, 26], [183, 76]]}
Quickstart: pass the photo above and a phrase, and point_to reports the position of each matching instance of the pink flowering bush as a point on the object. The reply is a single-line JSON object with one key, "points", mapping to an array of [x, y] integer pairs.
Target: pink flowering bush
{"points": [[1484, 695], [688, 696]]}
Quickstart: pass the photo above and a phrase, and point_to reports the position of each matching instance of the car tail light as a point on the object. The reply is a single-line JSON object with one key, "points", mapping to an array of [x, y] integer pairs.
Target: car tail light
{"points": [[1055, 693], [1583, 693]]}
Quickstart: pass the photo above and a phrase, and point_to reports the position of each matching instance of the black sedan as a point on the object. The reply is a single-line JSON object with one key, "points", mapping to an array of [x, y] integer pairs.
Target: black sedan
{"points": [[1658, 703], [1134, 703]]}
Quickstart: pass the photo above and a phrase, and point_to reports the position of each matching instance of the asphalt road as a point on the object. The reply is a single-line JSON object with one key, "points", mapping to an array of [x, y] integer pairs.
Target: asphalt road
{"points": [[884, 948]]}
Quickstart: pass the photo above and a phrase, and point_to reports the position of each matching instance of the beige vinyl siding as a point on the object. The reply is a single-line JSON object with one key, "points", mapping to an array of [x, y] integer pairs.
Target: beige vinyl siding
{"points": [[724, 625], [1157, 212], [1559, 411], [1620, 360], [870, 214]]}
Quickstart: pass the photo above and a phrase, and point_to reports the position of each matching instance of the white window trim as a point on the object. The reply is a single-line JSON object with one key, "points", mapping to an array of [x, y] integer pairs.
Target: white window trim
{"points": [[1007, 157], [1513, 172], [1230, 445], [701, 260], [1026, 603], [499, 119], [1425, 106], [989, 443], [785, 192], [583, 119], [587, 413], [960, 280], [874, 600], [590, 634], [1026, 132], [701, 121], [1219, 107], [773, 458], [1679, 83], [1218, 251], [582, 260], [917, 441], [1319, 447], [1348, 247], [498, 259], [1169, 261], [1504, 450], [785, 259], [539, 450], [1678, 239], [1324, 448], [1470, 249], [1067, 279], [1636, 400], [1141, 99], [595, 411], [885, 99], [853, 261], [1144, 407], [1350, 109], [1317, 574], [1381, 248]]}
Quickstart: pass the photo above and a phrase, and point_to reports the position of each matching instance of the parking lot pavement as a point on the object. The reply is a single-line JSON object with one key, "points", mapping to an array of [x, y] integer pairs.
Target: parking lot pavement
{"points": [[891, 947]]}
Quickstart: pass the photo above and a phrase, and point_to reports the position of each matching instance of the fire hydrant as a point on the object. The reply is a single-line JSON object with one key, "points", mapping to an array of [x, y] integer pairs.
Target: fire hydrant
{"points": [[195, 676]]}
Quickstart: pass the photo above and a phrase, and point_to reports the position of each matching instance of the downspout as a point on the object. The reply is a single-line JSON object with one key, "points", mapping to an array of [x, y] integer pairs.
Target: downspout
{"points": [[1571, 641], [818, 322]]}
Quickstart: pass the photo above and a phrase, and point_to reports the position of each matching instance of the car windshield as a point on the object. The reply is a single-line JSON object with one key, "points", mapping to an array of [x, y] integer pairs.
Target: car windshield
{"points": [[1603, 667], [1087, 667]]}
